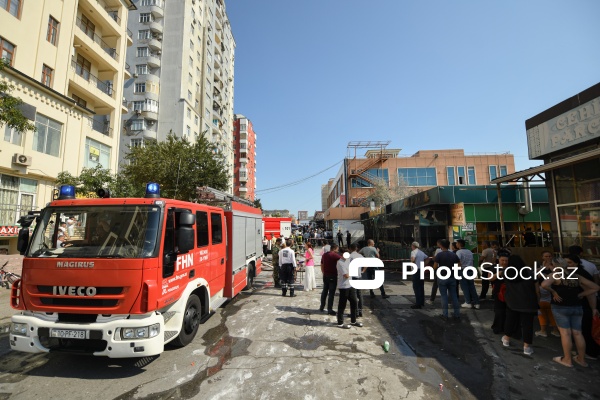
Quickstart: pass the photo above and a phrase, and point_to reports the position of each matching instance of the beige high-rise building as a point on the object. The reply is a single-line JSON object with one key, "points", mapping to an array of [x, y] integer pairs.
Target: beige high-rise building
{"points": [[67, 63], [182, 78]]}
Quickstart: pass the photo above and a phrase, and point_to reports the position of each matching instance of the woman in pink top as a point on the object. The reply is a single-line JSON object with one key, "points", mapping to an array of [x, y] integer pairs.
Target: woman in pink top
{"points": [[309, 274]]}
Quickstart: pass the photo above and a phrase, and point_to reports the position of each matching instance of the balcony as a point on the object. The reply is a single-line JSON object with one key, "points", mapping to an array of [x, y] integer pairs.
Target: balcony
{"points": [[151, 115], [154, 26], [108, 12], [157, 9], [150, 95], [155, 44], [153, 60], [149, 134], [86, 81], [129, 38], [98, 43], [127, 71], [100, 126], [150, 78], [243, 189]]}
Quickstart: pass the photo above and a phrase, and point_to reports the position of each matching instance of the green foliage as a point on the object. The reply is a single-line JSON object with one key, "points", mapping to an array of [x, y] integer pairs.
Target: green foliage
{"points": [[258, 204], [178, 166], [10, 114]]}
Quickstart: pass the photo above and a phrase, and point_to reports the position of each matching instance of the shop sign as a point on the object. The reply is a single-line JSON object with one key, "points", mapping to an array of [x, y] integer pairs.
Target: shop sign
{"points": [[577, 126], [9, 230], [457, 214]]}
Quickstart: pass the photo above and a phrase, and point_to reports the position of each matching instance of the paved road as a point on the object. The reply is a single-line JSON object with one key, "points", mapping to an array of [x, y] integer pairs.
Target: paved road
{"points": [[264, 346]]}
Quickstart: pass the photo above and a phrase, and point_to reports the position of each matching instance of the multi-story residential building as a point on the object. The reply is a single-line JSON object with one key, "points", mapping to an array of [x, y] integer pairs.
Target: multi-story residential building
{"points": [[244, 176], [351, 191], [67, 63], [182, 74]]}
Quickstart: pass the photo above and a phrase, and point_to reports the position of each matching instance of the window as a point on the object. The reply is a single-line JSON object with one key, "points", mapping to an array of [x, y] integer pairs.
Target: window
{"points": [[196, 119], [52, 34], [141, 69], [242, 174], [189, 95], [47, 73], [83, 67], [17, 196], [145, 105], [140, 87], [206, 113], [47, 137], [451, 176], [418, 176], [8, 50], [137, 125], [471, 176], [136, 143], [208, 70], [192, 29], [12, 6], [493, 172], [138, 105], [189, 113], [461, 175], [199, 57], [80, 102], [192, 45], [96, 154], [197, 72], [503, 171], [190, 79], [243, 146], [201, 228], [144, 34], [197, 87], [209, 56], [191, 62], [145, 17], [143, 52], [188, 131], [217, 228], [243, 127], [88, 27], [13, 136], [196, 104]]}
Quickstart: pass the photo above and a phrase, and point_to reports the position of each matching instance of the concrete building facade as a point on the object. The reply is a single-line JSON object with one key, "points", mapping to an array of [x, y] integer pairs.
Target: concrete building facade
{"points": [[66, 62], [244, 169], [182, 62]]}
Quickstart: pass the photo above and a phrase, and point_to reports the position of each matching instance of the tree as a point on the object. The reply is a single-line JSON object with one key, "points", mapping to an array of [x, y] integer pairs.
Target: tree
{"points": [[257, 203], [10, 113], [92, 179], [178, 166], [383, 193]]}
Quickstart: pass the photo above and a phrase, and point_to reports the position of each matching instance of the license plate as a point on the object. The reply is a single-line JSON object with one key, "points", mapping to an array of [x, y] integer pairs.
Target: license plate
{"points": [[67, 334]]}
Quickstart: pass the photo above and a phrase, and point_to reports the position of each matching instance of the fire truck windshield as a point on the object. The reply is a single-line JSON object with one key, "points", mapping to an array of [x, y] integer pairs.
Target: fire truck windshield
{"points": [[97, 232]]}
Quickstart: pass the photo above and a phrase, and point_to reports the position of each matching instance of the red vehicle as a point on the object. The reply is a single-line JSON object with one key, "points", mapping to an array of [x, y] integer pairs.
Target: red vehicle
{"points": [[277, 227], [133, 274]]}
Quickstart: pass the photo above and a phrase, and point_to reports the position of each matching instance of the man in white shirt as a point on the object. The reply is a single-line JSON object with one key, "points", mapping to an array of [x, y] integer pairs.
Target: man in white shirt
{"points": [[418, 257], [347, 293], [287, 266], [354, 254]]}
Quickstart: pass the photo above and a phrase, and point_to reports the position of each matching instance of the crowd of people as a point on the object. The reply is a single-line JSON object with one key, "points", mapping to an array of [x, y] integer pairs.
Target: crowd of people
{"points": [[563, 295]]}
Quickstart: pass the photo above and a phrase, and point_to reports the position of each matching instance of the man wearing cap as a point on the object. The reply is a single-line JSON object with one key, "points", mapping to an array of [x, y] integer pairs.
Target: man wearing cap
{"points": [[418, 257]]}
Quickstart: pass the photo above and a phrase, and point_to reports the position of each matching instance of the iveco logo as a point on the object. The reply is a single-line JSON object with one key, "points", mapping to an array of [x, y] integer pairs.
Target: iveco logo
{"points": [[75, 264], [74, 291]]}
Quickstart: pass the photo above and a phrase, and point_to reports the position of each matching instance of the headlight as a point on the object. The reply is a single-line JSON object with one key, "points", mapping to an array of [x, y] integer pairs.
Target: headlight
{"points": [[143, 332], [19, 329]]}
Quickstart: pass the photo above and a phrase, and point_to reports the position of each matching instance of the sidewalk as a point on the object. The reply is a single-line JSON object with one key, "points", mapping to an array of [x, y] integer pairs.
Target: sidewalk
{"points": [[15, 264]]}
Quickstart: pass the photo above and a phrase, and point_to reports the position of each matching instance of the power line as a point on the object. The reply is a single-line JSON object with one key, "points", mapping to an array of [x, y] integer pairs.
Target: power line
{"points": [[294, 183]]}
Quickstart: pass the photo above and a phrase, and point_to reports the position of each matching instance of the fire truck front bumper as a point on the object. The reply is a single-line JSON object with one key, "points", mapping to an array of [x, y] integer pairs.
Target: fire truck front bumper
{"points": [[115, 336]]}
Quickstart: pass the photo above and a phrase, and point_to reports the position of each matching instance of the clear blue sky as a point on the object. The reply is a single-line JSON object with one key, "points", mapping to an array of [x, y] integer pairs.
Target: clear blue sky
{"points": [[313, 75]]}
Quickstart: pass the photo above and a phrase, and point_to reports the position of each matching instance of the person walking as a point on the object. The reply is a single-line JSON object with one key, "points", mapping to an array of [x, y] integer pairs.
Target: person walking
{"points": [[370, 251], [418, 257], [521, 303], [488, 256], [447, 258], [434, 287], [359, 298], [275, 262], [545, 316], [340, 238], [347, 294], [348, 239], [287, 264], [309, 274], [498, 292], [568, 312], [329, 269], [467, 285]]}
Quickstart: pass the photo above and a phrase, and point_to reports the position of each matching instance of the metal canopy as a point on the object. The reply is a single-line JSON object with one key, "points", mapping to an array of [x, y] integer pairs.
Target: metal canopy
{"points": [[531, 173]]}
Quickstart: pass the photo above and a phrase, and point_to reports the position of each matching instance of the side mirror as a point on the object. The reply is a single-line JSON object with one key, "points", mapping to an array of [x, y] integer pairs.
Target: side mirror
{"points": [[185, 239], [23, 241]]}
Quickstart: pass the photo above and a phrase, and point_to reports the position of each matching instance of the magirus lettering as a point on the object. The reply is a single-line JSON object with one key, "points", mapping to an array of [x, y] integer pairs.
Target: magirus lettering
{"points": [[74, 291], [74, 264]]}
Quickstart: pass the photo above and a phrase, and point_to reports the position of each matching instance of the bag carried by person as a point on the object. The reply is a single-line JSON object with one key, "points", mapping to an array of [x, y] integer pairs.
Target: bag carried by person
{"points": [[502, 292]]}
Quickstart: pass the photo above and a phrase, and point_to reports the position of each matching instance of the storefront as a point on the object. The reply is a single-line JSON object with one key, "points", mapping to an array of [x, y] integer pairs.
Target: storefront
{"points": [[468, 212], [567, 138]]}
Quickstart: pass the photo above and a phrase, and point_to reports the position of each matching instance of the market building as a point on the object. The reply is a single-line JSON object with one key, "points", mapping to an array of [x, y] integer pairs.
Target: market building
{"points": [[470, 213], [567, 138]]}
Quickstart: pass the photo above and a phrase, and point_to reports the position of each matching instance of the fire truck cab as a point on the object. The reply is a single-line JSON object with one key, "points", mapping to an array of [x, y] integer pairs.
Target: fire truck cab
{"points": [[121, 277]]}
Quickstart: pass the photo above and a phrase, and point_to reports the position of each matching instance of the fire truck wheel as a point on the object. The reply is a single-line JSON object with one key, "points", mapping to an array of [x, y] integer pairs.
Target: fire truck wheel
{"points": [[191, 320]]}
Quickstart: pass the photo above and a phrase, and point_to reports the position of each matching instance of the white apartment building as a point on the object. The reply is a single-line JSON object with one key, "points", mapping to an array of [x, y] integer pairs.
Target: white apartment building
{"points": [[67, 63], [182, 78]]}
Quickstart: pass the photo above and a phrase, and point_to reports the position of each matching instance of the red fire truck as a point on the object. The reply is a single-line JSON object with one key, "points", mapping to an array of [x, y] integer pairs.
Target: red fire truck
{"points": [[277, 227], [132, 275]]}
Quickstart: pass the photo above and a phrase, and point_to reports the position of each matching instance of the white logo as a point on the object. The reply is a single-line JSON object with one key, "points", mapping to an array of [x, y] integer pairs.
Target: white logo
{"points": [[354, 270]]}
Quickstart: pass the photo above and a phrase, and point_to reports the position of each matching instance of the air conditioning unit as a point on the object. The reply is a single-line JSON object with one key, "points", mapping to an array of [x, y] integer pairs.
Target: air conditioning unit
{"points": [[159, 52], [135, 75], [150, 122], [138, 112], [21, 159]]}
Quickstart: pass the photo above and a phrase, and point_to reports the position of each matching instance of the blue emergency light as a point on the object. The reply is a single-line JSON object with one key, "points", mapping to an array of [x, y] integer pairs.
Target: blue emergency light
{"points": [[66, 192], [152, 190]]}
